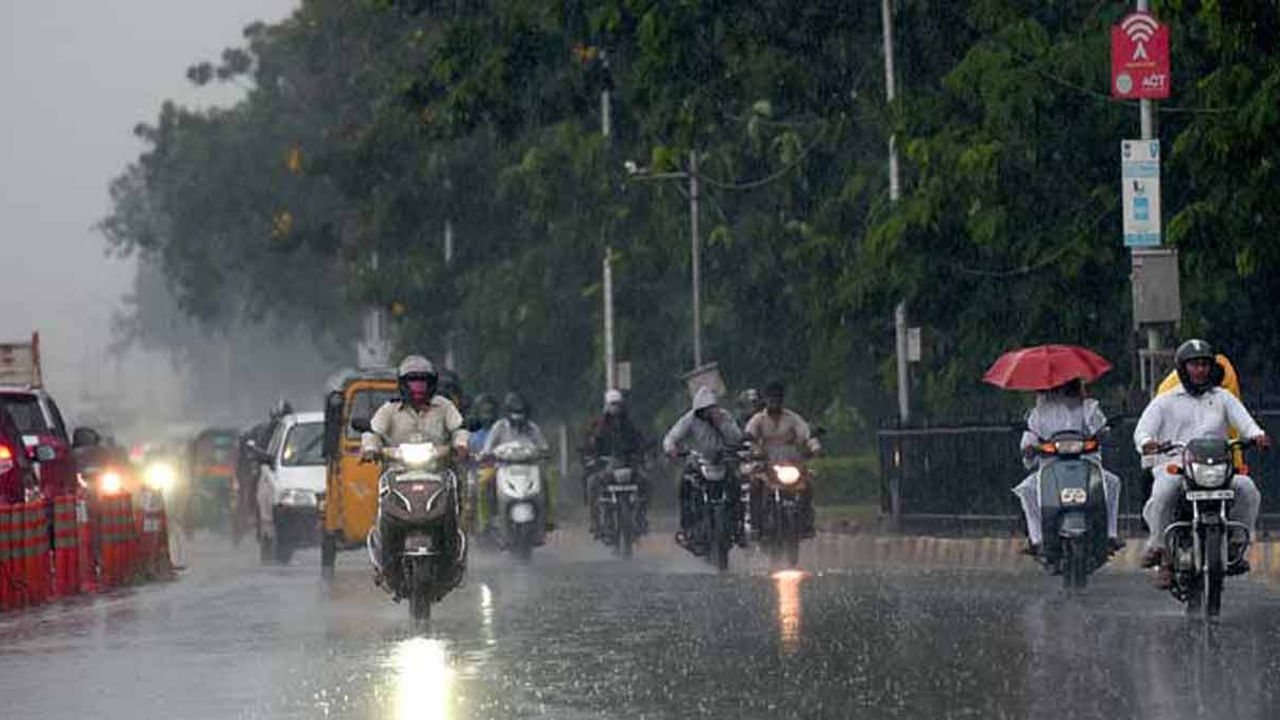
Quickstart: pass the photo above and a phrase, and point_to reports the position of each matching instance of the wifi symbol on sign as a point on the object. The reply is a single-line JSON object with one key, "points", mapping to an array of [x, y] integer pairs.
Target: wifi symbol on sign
{"points": [[1139, 28]]}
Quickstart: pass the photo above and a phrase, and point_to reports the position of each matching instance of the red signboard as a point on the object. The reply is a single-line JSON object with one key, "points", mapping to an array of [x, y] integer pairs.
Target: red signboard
{"points": [[1140, 58]]}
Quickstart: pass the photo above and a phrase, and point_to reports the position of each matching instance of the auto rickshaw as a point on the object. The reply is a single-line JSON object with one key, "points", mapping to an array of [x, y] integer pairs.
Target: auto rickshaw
{"points": [[350, 503]]}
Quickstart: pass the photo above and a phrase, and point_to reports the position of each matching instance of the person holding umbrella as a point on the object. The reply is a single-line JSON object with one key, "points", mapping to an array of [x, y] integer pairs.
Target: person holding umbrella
{"points": [[1057, 373]]}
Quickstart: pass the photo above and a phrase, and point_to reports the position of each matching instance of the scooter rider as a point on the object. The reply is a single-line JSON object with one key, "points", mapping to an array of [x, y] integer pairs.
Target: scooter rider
{"points": [[784, 436], [707, 428], [418, 412], [1199, 408], [613, 435], [516, 425], [1063, 408]]}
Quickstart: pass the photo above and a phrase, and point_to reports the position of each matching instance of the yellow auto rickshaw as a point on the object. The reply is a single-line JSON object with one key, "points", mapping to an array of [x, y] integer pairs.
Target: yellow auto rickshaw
{"points": [[350, 504]]}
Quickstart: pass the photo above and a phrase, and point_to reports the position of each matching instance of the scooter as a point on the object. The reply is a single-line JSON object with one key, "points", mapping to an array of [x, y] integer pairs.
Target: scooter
{"points": [[521, 512], [419, 508], [1073, 506]]}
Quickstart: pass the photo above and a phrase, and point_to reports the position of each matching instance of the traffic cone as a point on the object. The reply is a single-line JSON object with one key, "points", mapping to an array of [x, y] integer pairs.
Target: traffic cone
{"points": [[85, 556], [6, 554]]}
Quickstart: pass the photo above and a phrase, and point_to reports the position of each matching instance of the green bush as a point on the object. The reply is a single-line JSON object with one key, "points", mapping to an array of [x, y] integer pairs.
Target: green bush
{"points": [[847, 479]]}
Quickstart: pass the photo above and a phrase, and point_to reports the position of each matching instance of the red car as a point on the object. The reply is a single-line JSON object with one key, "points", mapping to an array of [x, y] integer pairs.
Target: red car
{"points": [[44, 433]]}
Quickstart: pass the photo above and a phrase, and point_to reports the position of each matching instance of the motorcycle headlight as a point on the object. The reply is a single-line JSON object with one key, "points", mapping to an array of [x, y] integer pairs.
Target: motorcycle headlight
{"points": [[160, 477], [298, 498], [110, 482], [417, 453], [1070, 447], [1209, 476], [787, 474]]}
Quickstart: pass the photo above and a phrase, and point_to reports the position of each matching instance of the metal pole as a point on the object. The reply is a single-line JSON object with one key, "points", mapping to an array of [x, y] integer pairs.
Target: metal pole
{"points": [[610, 364], [605, 125], [697, 260], [448, 261], [895, 192], [1147, 121]]}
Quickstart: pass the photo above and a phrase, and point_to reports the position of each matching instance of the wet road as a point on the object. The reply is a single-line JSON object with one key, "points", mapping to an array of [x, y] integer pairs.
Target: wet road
{"points": [[579, 635]]}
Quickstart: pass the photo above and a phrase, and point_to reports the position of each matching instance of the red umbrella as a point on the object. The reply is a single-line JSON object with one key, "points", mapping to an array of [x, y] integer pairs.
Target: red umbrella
{"points": [[1045, 366]]}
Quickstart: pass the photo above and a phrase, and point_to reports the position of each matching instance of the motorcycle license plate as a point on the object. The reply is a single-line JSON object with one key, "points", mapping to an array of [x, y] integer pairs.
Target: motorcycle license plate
{"points": [[623, 488], [1211, 495], [522, 513]]}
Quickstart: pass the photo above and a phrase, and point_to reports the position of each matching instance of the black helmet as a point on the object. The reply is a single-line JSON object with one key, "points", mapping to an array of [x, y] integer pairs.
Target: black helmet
{"points": [[416, 367], [1196, 349]]}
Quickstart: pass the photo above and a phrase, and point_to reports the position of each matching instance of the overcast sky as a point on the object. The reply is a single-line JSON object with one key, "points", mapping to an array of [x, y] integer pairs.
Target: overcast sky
{"points": [[76, 76]]}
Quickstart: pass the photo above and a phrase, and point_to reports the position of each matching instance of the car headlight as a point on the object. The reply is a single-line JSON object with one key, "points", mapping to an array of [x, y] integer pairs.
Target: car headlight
{"points": [[110, 482], [160, 477], [1210, 476], [787, 474], [298, 498]]}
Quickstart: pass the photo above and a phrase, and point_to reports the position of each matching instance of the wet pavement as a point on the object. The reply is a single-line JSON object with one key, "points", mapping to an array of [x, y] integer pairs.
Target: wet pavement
{"points": [[578, 634]]}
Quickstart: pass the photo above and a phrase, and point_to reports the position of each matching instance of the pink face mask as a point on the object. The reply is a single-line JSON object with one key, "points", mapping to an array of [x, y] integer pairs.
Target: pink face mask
{"points": [[418, 390]]}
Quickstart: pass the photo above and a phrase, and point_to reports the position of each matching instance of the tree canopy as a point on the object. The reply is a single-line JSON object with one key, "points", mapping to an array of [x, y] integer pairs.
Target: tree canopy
{"points": [[371, 125]]}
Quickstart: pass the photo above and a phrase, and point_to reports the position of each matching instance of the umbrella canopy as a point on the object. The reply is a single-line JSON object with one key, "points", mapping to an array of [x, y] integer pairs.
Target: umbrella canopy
{"points": [[1045, 366]]}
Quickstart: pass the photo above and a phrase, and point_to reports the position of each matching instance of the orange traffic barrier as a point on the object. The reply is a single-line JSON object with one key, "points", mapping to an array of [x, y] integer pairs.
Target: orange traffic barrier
{"points": [[35, 551], [66, 541], [153, 534], [7, 580], [86, 558], [112, 534]]}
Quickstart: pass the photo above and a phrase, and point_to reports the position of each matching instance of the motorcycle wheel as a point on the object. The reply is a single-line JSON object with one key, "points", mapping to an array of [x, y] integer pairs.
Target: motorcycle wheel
{"points": [[790, 541], [626, 527], [283, 551], [1076, 555], [522, 543], [721, 536], [1216, 571], [420, 589], [328, 551]]}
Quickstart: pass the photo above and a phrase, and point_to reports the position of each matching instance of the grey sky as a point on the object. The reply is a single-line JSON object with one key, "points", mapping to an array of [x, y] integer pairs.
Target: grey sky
{"points": [[76, 76]]}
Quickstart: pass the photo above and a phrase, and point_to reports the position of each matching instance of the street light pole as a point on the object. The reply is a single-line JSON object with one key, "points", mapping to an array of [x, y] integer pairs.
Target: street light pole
{"points": [[895, 192], [696, 250]]}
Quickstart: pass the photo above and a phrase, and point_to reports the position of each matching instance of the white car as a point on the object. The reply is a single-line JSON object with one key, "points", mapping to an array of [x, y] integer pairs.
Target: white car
{"points": [[291, 484]]}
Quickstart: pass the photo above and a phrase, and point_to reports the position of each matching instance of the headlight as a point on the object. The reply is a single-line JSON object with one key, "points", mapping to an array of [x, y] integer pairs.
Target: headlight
{"points": [[1210, 476], [298, 498], [160, 477], [110, 482], [787, 474], [417, 454]]}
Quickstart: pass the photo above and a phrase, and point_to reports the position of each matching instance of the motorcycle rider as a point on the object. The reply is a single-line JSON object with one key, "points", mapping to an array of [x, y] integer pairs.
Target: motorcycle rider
{"points": [[613, 435], [1059, 409], [750, 402], [707, 429], [249, 463], [1199, 408], [484, 413], [516, 425], [783, 436], [418, 412]]}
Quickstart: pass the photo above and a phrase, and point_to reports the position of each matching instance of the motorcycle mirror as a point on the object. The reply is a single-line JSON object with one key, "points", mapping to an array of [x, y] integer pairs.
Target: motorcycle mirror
{"points": [[361, 424]]}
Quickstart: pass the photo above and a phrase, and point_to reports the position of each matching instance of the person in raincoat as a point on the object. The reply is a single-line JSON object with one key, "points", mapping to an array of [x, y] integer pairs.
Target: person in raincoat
{"points": [[1063, 408], [706, 429], [516, 425]]}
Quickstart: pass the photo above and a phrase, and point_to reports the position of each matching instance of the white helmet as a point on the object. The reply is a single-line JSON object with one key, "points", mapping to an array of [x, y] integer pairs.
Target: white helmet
{"points": [[612, 396]]}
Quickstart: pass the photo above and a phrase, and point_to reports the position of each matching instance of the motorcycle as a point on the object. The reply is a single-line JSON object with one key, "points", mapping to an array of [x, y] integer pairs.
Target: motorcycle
{"points": [[621, 505], [1202, 545], [521, 511], [419, 506], [713, 507], [1073, 507], [782, 504]]}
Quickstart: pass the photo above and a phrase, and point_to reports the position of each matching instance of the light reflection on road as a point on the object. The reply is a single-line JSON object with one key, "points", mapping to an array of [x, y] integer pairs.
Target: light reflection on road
{"points": [[790, 608], [424, 680]]}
